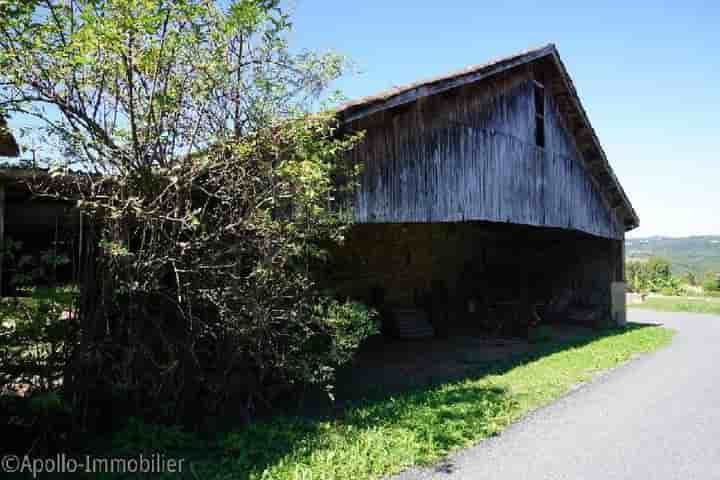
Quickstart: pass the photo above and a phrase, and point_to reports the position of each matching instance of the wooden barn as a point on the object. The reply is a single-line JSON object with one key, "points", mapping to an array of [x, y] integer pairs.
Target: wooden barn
{"points": [[486, 201]]}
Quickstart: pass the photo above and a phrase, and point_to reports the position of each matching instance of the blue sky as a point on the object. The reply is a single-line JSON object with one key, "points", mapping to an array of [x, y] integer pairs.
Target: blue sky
{"points": [[648, 74]]}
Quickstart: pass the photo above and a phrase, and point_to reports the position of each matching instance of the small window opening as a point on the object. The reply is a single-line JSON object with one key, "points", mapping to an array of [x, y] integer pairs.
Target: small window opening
{"points": [[539, 115]]}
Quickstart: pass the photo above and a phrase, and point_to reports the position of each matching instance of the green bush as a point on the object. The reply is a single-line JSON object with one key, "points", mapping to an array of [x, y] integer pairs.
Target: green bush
{"points": [[346, 325], [689, 278], [652, 276], [30, 268], [711, 283], [37, 336]]}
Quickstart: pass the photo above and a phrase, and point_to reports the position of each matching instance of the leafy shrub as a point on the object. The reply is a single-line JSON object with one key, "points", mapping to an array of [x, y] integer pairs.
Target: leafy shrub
{"points": [[689, 279], [652, 276], [28, 269], [711, 283], [346, 325], [221, 313], [37, 337]]}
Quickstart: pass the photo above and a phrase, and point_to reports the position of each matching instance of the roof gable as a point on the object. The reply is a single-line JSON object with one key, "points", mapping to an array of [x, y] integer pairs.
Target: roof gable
{"points": [[560, 86]]}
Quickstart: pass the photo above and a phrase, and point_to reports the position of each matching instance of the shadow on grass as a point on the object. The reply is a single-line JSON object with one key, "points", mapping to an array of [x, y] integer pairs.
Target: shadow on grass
{"points": [[420, 425], [379, 433], [350, 394]]}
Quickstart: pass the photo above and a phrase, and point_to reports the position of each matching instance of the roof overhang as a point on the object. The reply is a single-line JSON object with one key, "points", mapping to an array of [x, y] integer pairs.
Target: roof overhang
{"points": [[563, 91]]}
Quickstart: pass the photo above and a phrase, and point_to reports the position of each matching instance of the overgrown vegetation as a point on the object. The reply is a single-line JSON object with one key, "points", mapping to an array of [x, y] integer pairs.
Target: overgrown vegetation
{"points": [[27, 268], [37, 337], [653, 275], [211, 193], [385, 436], [711, 283]]}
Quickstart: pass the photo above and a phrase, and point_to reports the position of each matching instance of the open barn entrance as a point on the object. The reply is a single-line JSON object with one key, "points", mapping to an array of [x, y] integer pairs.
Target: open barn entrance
{"points": [[436, 279]]}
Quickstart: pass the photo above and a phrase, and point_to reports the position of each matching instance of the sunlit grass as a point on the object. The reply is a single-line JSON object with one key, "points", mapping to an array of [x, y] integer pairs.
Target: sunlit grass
{"points": [[681, 304]]}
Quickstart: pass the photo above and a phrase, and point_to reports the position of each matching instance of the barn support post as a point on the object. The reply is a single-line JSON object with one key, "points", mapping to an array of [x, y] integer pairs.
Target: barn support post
{"points": [[618, 287]]}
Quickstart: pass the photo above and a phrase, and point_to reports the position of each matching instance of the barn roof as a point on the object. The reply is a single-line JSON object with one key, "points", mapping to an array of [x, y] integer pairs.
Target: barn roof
{"points": [[8, 146], [560, 86]]}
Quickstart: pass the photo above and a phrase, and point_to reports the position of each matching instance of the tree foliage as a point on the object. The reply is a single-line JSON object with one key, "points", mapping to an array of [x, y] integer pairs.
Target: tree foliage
{"points": [[214, 194], [711, 282], [654, 275]]}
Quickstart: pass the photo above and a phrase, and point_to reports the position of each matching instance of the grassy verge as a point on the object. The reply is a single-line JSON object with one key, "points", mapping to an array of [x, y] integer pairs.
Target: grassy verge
{"points": [[681, 304], [385, 436]]}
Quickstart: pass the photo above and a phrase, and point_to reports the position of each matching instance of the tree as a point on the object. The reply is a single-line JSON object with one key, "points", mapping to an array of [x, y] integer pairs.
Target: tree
{"points": [[130, 84], [690, 279], [214, 188], [658, 268], [711, 282], [653, 275]]}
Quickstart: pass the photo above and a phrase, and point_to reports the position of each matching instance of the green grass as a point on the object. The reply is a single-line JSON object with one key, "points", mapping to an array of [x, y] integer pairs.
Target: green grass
{"points": [[681, 304], [382, 437]]}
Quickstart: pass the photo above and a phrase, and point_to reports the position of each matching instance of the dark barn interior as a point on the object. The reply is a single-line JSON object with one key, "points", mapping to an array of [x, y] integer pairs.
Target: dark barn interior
{"points": [[36, 230], [481, 276]]}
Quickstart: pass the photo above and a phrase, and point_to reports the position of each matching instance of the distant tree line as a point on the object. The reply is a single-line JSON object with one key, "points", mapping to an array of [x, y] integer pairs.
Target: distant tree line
{"points": [[655, 276]]}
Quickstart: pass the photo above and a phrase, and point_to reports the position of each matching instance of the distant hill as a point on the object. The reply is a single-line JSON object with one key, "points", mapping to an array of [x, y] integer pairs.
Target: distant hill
{"points": [[698, 254]]}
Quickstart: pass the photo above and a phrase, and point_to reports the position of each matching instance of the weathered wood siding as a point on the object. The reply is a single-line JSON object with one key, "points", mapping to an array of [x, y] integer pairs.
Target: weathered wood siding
{"points": [[471, 155]]}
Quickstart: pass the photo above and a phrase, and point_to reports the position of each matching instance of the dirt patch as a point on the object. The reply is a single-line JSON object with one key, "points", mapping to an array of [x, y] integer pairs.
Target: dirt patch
{"points": [[384, 366]]}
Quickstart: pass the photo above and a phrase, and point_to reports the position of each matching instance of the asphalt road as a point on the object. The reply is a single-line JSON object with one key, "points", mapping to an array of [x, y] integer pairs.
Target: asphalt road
{"points": [[657, 417]]}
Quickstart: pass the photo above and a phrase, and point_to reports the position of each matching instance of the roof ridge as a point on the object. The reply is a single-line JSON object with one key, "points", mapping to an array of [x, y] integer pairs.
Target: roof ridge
{"points": [[468, 70]]}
